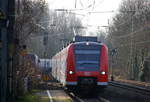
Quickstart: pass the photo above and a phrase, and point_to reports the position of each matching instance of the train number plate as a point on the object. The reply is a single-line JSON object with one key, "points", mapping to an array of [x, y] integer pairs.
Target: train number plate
{"points": [[87, 73]]}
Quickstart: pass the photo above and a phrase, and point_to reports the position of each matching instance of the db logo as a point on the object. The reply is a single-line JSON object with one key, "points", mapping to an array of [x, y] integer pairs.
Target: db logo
{"points": [[87, 73]]}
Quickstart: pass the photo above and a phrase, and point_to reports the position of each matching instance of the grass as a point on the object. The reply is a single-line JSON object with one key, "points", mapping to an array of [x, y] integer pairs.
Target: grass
{"points": [[36, 91], [32, 97], [29, 97], [44, 99], [63, 99]]}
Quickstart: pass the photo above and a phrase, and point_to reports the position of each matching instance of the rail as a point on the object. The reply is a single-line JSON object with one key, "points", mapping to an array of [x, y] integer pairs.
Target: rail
{"points": [[77, 98], [141, 90]]}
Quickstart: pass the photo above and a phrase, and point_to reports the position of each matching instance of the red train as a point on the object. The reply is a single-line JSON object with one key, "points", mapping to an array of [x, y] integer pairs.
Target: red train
{"points": [[82, 63]]}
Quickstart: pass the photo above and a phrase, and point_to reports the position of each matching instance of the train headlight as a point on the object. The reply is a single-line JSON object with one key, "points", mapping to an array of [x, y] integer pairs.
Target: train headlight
{"points": [[103, 73], [71, 72], [87, 43]]}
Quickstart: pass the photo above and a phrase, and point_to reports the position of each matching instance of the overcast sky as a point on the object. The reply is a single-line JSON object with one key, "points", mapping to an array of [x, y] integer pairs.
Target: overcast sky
{"points": [[96, 19]]}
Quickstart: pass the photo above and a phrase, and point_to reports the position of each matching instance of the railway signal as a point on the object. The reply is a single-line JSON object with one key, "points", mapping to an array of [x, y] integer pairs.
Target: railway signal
{"points": [[45, 40], [114, 52], [24, 51]]}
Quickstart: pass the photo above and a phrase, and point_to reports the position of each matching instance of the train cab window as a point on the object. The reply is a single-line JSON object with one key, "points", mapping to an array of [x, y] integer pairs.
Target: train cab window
{"points": [[87, 58]]}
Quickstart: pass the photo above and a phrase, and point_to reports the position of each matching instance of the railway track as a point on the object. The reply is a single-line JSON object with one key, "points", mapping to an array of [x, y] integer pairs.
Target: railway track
{"points": [[130, 87], [77, 98], [54, 89]]}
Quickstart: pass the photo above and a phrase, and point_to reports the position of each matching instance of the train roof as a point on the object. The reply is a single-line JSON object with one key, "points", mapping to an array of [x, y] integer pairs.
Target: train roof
{"points": [[89, 42], [85, 38], [82, 40]]}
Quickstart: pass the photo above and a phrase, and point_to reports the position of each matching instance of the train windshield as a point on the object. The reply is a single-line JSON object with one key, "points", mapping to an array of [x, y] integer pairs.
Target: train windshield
{"points": [[87, 57]]}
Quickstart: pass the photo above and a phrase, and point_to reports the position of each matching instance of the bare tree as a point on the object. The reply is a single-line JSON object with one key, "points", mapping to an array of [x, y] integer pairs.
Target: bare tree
{"points": [[129, 33], [60, 29], [28, 14]]}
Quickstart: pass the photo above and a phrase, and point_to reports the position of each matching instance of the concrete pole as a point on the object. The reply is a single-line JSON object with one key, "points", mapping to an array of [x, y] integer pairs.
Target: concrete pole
{"points": [[4, 65], [6, 32], [3, 77]]}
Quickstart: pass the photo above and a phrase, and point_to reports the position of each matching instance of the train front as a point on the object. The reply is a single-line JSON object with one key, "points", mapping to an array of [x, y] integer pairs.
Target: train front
{"points": [[87, 65]]}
